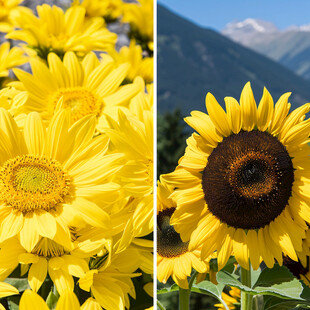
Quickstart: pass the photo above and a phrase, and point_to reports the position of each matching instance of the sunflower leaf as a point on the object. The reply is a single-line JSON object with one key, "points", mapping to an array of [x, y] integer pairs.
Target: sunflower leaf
{"points": [[174, 287], [208, 288], [276, 275], [275, 303], [279, 283]]}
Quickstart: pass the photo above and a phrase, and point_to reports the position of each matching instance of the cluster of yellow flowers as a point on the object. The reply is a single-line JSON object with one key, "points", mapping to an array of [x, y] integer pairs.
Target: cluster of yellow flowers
{"points": [[241, 190], [76, 154]]}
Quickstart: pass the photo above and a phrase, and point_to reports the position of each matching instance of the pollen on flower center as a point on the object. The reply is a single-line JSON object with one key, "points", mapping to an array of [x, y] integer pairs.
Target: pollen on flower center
{"points": [[80, 100], [169, 242], [248, 179], [29, 183]]}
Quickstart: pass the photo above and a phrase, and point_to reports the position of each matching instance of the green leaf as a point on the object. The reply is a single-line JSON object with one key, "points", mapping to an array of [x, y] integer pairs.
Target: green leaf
{"points": [[277, 282], [51, 300], [276, 275], [166, 290], [275, 303], [208, 288], [21, 284], [13, 302], [231, 280]]}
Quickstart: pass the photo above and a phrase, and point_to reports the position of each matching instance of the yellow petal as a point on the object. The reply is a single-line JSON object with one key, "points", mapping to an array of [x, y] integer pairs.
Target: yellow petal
{"points": [[32, 301], [217, 115], [248, 108]]}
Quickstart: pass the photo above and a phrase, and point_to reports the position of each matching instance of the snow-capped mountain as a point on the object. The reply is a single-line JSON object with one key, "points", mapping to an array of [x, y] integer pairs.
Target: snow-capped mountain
{"points": [[290, 47]]}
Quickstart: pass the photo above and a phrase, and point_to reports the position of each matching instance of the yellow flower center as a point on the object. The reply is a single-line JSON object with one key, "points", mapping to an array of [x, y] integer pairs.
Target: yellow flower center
{"points": [[29, 183], [80, 100], [48, 248]]}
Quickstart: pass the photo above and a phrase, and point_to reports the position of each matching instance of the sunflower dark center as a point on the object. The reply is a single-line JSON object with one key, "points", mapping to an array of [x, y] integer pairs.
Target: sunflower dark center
{"points": [[169, 242], [248, 179]]}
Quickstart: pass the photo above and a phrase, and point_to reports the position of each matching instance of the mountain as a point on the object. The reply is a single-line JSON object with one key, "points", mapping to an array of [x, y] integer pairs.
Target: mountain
{"points": [[290, 47], [192, 61]]}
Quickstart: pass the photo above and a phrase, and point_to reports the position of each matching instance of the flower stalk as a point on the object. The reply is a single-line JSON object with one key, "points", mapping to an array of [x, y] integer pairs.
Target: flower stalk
{"points": [[246, 298]]}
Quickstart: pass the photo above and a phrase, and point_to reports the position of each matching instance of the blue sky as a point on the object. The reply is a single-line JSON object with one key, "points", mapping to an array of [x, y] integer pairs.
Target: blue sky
{"points": [[217, 13]]}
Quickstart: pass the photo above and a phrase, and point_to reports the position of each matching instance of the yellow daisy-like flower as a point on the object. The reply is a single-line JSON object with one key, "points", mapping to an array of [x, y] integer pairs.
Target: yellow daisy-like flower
{"points": [[13, 101], [109, 9], [85, 87], [232, 300], [7, 290], [57, 31], [54, 178], [173, 255], [10, 58], [111, 283], [140, 17], [132, 135], [31, 300], [47, 257], [139, 65], [243, 183], [8, 11]]}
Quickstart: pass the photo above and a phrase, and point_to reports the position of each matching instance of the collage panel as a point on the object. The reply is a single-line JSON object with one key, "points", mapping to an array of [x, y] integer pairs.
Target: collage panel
{"points": [[76, 154], [233, 155]]}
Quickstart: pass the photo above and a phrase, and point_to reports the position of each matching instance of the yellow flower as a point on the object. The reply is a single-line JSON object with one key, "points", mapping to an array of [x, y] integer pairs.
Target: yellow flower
{"points": [[140, 17], [139, 65], [243, 183], [111, 283], [7, 290], [59, 32], [8, 10], [13, 101], [173, 255], [232, 299], [30, 299], [10, 58], [109, 9], [133, 136], [86, 87], [54, 178]]}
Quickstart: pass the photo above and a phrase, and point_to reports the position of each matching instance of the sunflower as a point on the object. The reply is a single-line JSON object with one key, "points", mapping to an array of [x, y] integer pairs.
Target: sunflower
{"points": [[139, 65], [243, 183], [8, 11], [173, 255], [232, 299], [86, 87], [7, 290], [59, 32], [54, 178], [140, 17]]}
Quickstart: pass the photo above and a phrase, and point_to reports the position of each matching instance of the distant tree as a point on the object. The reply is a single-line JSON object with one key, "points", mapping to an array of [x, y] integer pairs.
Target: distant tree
{"points": [[171, 140]]}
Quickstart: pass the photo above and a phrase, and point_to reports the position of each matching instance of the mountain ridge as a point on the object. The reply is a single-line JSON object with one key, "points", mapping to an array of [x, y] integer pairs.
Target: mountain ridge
{"points": [[193, 61]]}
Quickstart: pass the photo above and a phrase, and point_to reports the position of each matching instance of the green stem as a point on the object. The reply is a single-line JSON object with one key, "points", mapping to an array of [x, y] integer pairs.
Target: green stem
{"points": [[185, 293], [191, 281], [246, 298], [160, 305], [255, 303], [184, 298]]}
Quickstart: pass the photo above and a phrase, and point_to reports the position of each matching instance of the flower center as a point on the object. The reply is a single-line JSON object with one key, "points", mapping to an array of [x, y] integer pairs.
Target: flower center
{"points": [[29, 183], [248, 179], [169, 242], [48, 248], [81, 101]]}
